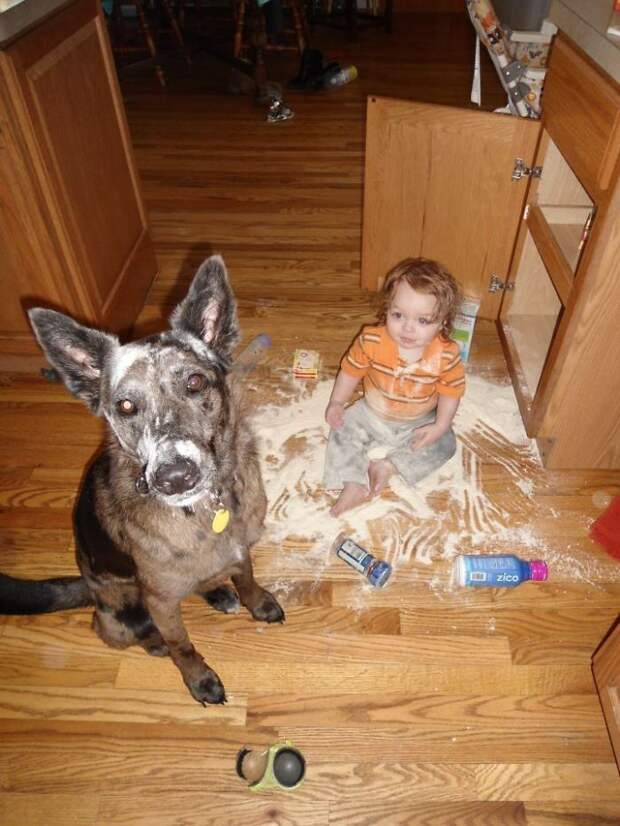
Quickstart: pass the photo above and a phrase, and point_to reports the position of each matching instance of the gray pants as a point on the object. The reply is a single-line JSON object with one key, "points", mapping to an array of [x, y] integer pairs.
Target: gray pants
{"points": [[346, 459]]}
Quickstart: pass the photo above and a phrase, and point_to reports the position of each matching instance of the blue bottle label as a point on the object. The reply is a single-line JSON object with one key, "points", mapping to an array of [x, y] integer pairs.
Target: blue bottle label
{"points": [[491, 571], [356, 557]]}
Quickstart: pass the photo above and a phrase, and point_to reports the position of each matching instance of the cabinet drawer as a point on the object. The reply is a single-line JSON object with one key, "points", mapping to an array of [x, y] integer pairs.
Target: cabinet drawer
{"points": [[581, 108]]}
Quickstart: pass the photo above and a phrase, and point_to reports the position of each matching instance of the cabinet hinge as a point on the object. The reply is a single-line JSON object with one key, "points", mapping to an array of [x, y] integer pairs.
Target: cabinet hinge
{"points": [[496, 284], [520, 170]]}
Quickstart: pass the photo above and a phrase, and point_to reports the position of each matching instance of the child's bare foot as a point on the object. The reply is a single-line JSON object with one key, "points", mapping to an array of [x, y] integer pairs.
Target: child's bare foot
{"points": [[351, 496], [379, 473]]}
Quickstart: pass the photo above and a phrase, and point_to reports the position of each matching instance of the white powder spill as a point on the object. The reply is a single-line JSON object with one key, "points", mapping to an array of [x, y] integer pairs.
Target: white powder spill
{"points": [[489, 498]]}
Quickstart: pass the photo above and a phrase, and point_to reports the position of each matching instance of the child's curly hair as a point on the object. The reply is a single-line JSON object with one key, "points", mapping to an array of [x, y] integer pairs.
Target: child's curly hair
{"points": [[425, 276]]}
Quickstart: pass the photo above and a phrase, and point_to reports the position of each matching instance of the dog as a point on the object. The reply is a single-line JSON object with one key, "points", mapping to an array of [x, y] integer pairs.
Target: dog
{"points": [[175, 501]]}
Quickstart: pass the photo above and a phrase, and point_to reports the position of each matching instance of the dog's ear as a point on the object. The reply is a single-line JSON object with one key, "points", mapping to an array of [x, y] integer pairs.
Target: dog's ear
{"points": [[78, 353], [209, 310]]}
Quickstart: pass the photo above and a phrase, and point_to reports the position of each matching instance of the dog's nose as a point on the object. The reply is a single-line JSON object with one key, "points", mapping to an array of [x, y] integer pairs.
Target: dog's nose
{"points": [[176, 477]]}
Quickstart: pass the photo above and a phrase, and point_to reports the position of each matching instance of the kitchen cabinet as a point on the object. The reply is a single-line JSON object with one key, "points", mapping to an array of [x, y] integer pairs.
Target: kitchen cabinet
{"points": [[73, 229], [526, 215], [606, 671]]}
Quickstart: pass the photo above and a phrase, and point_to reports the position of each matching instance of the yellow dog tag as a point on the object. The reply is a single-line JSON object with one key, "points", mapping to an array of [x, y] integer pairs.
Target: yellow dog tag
{"points": [[220, 521]]}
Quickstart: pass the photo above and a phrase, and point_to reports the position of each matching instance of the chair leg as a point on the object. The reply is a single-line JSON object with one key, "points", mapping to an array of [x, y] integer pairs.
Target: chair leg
{"points": [[239, 24], [150, 42], [175, 29], [388, 13], [258, 39], [299, 22], [350, 10]]}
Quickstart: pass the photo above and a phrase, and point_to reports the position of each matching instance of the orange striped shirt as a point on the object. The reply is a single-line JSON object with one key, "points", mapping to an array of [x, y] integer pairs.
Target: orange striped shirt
{"points": [[398, 390]]}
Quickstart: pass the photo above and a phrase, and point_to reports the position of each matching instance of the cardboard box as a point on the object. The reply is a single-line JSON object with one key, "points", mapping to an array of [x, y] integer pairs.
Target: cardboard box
{"points": [[306, 364]]}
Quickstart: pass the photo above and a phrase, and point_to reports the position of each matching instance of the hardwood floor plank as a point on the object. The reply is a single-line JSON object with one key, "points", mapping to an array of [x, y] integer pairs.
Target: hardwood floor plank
{"points": [[109, 704], [258, 642], [588, 624], [48, 809], [237, 806], [331, 678], [41, 651], [572, 813], [59, 668], [39, 495], [88, 756], [580, 711], [267, 644], [356, 813], [448, 742], [323, 620], [29, 555], [40, 518], [526, 651], [549, 781], [52, 543], [57, 455]]}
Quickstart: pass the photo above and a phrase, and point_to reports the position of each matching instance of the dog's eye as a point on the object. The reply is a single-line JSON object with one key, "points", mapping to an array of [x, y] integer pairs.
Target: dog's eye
{"points": [[196, 382], [126, 407]]}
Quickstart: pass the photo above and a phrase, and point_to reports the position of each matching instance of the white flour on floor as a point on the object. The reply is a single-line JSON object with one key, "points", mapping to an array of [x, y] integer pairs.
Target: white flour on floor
{"points": [[485, 500]]}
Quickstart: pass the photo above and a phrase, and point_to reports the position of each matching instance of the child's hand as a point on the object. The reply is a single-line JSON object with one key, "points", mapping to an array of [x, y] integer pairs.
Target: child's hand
{"points": [[426, 435], [334, 415]]}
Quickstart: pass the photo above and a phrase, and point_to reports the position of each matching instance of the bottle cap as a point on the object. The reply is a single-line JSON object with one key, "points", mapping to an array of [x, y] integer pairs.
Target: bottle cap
{"points": [[459, 572], [380, 574], [539, 570]]}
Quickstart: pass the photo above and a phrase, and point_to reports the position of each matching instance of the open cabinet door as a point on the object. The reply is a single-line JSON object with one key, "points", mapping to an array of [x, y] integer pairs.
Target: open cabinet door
{"points": [[439, 184], [606, 669]]}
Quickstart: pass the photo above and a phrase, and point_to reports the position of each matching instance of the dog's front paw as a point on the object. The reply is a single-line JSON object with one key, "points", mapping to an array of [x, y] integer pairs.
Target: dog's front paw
{"points": [[268, 609], [208, 689]]}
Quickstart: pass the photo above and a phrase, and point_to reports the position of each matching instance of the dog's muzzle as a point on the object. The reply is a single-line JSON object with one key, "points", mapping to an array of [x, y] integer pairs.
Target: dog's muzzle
{"points": [[176, 477]]}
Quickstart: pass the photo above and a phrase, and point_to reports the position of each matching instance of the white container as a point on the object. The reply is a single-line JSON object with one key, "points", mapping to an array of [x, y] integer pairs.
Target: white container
{"points": [[464, 323]]}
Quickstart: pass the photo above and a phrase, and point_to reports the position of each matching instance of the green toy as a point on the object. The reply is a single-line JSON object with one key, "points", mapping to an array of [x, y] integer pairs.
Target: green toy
{"points": [[281, 766]]}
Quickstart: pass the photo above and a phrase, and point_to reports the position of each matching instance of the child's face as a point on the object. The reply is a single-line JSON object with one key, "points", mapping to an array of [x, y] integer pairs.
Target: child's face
{"points": [[411, 318]]}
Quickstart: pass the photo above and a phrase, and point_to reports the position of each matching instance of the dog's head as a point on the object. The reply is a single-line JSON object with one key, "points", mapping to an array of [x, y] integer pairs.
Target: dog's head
{"points": [[165, 397]]}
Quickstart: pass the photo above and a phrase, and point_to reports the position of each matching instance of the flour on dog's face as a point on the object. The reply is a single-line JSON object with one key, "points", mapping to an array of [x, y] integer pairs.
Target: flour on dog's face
{"points": [[122, 361], [164, 398]]}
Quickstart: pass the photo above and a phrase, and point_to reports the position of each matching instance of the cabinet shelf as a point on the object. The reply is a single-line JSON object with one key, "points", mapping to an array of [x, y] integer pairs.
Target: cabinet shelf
{"points": [[570, 227]]}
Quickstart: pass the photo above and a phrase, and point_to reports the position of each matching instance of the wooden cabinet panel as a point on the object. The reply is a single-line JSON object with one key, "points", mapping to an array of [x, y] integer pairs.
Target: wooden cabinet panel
{"points": [[582, 115], [438, 183], [606, 669], [73, 209], [88, 193], [578, 404]]}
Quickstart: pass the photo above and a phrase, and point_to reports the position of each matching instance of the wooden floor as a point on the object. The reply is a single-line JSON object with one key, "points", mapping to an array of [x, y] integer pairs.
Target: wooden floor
{"points": [[423, 708]]}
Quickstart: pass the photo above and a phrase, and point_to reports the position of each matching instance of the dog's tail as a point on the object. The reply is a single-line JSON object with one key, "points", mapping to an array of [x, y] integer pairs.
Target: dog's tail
{"points": [[31, 596]]}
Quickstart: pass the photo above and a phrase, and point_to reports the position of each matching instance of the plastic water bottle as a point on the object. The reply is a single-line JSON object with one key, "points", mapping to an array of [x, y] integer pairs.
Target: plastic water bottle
{"points": [[503, 571], [340, 78], [252, 353], [376, 571]]}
